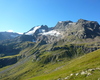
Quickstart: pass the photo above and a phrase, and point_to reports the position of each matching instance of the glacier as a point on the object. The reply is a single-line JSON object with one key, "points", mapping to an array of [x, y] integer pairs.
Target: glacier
{"points": [[33, 31]]}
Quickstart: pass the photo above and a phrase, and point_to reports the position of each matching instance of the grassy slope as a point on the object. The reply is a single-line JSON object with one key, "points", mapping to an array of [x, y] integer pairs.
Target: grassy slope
{"points": [[36, 71], [91, 60]]}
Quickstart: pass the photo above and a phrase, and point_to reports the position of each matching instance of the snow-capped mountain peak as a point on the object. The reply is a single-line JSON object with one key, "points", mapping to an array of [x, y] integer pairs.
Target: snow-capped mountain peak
{"points": [[37, 30], [33, 31]]}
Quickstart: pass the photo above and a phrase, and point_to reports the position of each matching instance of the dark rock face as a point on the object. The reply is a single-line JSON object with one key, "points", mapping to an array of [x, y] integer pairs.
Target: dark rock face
{"points": [[82, 29], [47, 39], [82, 21], [7, 61], [24, 38], [91, 28], [62, 25]]}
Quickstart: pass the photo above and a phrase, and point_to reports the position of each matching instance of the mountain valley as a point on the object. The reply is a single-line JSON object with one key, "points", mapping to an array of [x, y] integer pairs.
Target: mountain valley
{"points": [[67, 51]]}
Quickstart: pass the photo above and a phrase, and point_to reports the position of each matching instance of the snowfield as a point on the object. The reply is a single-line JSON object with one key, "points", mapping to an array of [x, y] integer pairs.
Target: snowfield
{"points": [[43, 32], [52, 33], [33, 31]]}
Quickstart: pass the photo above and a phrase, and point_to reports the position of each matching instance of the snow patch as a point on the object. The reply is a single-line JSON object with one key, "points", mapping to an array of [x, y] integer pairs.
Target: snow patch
{"points": [[53, 33], [60, 21], [33, 31], [10, 31], [41, 30], [19, 33], [70, 23]]}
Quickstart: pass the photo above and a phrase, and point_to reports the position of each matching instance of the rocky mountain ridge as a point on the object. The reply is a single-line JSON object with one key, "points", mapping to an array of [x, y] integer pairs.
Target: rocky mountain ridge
{"points": [[82, 29], [64, 30]]}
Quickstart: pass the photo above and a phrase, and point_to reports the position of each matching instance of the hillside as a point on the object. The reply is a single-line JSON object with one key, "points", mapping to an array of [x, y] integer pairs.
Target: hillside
{"points": [[85, 67]]}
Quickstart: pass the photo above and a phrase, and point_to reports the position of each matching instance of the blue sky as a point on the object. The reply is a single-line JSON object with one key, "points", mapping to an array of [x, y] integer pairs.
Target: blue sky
{"points": [[22, 15]]}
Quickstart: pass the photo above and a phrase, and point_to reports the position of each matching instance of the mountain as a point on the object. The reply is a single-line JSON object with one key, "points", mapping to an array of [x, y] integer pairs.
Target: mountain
{"points": [[62, 25], [37, 30], [65, 30], [81, 29], [8, 35], [67, 51]]}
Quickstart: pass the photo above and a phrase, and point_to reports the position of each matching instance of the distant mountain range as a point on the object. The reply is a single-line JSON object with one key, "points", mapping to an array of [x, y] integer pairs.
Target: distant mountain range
{"points": [[8, 35]]}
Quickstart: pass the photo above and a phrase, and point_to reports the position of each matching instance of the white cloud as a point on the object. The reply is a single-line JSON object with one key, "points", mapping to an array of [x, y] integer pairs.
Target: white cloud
{"points": [[19, 33], [10, 31], [14, 32]]}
